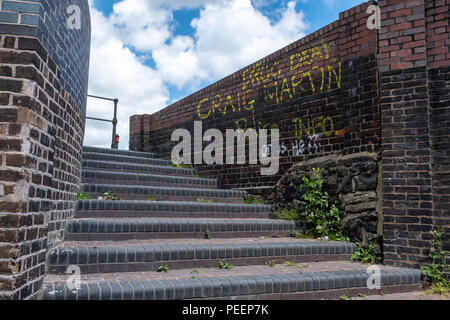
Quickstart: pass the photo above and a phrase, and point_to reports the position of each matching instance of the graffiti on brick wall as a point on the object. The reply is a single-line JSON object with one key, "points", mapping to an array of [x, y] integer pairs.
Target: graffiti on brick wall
{"points": [[269, 81], [305, 75], [308, 137]]}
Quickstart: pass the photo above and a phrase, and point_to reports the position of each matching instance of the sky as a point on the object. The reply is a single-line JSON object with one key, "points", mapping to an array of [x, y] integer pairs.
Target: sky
{"points": [[152, 53]]}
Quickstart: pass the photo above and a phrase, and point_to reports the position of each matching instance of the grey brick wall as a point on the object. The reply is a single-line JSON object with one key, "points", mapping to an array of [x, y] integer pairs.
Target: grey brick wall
{"points": [[47, 19], [43, 87]]}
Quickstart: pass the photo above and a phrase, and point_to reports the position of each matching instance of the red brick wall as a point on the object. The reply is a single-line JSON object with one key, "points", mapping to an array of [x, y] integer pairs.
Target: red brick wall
{"points": [[392, 100], [414, 77], [438, 61], [320, 91]]}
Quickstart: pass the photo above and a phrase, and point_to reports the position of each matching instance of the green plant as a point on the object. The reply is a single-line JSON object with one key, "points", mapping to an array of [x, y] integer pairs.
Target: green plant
{"points": [[111, 196], [291, 263], [197, 175], [195, 272], [270, 263], [164, 268], [303, 266], [287, 214], [154, 198], [436, 272], [344, 297], [83, 196], [208, 234], [249, 199], [180, 166], [225, 265], [322, 217], [365, 255], [200, 200], [363, 296]]}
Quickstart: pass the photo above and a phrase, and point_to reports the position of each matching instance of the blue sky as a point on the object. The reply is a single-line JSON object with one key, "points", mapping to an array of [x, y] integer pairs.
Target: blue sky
{"points": [[151, 53]]}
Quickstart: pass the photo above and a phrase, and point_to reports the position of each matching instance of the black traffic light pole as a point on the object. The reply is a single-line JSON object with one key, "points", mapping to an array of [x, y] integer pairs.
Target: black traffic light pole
{"points": [[115, 142]]}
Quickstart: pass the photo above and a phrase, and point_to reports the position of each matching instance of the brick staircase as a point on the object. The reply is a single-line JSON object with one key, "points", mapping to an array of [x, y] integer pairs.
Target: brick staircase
{"points": [[119, 245]]}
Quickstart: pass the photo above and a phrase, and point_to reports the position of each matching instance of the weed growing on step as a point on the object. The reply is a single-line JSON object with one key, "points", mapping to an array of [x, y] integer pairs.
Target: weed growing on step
{"points": [[344, 297], [153, 198], [164, 268], [179, 166], [362, 295], [208, 234], [436, 272], [195, 272], [249, 199], [109, 196], [291, 263], [365, 254], [322, 217], [83, 196], [303, 266], [287, 214], [225, 265], [270, 263], [197, 175], [200, 200]]}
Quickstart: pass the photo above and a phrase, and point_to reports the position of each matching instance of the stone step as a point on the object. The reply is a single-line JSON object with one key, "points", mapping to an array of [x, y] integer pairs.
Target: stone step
{"points": [[126, 178], [119, 152], [135, 168], [124, 159], [313, 281], [168, 209], [143, 229], [164, 193], [149, 255]]}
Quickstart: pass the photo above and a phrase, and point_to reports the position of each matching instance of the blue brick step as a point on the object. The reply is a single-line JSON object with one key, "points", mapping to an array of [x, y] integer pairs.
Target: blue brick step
{"points": [[143, 229], [136, 168], [164, 193], [169, 209], [124, 159], [119, 152], [288, 285], [139, 179], [133, 256]]}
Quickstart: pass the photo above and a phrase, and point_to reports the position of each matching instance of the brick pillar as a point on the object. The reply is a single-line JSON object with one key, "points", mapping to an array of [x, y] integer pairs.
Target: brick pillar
{"points": [[438, 62], [42, 119], [406, 139]]}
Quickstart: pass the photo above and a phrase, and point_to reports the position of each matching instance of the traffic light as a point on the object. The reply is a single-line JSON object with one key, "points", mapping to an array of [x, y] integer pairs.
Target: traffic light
{"points": [[116, 141]]}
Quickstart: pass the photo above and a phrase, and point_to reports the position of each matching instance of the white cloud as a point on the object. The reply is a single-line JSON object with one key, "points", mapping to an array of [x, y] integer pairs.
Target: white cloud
{"points": [[116, 72], [141, 24], [229, 34]]}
